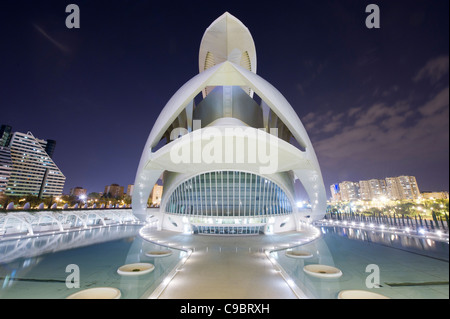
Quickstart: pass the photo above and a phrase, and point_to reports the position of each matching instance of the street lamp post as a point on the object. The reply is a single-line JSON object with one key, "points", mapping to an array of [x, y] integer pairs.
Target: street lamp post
{"points": [[82, 197]]}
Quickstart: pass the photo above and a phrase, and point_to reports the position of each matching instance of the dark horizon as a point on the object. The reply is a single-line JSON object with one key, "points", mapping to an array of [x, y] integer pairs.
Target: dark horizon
{"points": [[374, 101]]}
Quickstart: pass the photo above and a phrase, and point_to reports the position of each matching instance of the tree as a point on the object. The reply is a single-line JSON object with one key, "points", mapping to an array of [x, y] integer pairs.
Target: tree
{"points": [[5, 200], [49, 201], [33, 200], [407, 208], [374, 211], [94, 196], [71, 200], [127, 199]]}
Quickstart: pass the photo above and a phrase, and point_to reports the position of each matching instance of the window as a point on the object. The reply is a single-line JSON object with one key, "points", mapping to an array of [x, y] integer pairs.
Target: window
{"points": [[228, 194]]}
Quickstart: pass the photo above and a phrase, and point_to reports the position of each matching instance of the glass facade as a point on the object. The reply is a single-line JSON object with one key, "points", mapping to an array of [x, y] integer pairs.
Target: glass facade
{"points": [[228, 230], [228, 194]]}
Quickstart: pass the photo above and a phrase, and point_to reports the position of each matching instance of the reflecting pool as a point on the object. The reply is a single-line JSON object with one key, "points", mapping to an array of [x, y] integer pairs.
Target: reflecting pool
{"points": [[407, 267], [36, 267]]}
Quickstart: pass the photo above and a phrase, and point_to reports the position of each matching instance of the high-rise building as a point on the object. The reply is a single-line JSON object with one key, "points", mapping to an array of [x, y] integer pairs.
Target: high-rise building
{"points": [[130, 190], [5, 167], [32, 170], [335, 193], [393, 188], [377, 188], [349, 191], [49, 146], [372, 189], [364, 190], [402, 187], [5, 134], [156, 194], [410, 187], [113, 190]]}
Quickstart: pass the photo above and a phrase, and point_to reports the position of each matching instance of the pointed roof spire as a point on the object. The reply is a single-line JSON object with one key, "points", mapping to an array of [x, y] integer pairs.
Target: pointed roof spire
{"points": [[227, 39]]}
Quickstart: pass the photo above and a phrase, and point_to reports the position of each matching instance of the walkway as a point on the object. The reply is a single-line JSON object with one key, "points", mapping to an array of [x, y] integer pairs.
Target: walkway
{"points": [[222, 267]]}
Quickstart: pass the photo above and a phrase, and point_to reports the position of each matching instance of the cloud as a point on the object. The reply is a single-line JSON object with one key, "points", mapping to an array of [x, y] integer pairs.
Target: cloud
{"points": [[368, 57], [378, 112], [433, 70], [323, 123], [381, 133], [436, 105], [314, 69], [354, 111]]}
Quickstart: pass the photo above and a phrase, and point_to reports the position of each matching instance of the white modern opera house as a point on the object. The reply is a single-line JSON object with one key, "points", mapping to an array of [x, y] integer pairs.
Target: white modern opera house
{"points": [[229, 147]]}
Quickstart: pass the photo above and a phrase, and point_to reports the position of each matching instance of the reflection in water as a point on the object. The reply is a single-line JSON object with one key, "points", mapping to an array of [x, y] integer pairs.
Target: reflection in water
{"points": [[409, 267], [36, 267], [39, 245], [419, 245]]}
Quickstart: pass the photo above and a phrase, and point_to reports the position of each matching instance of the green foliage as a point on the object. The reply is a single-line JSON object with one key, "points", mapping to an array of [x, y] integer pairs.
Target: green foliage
{"points": [[71, 200], [33, 200], [94, 196], [424, 208], [5, 200]]}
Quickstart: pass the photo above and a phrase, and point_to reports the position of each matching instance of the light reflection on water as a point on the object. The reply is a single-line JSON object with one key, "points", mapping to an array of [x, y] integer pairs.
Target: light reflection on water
{"points": [[36, 267], [38, 245], [419, 245], [401, 259]]}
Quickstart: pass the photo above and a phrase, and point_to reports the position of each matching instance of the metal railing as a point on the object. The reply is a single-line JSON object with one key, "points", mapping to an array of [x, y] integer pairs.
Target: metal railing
{"points": [[29, 224], [416, 222]]}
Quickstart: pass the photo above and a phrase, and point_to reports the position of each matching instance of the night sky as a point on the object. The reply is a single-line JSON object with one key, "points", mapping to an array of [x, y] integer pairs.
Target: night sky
{"points": [[375, 102]]}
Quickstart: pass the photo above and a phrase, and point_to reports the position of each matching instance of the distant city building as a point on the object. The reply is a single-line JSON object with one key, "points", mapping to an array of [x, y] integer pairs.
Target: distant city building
{"points": [[78, 191], [392, 188], [5, 157], [49, 146], [156, 195], [377, 188], [5, 167], [130, 190], [5, 134], [402, 188], [364, 190], [372, 189], [435, 195], [26, 167], [349, 191], [335, 193], [114, 190]]}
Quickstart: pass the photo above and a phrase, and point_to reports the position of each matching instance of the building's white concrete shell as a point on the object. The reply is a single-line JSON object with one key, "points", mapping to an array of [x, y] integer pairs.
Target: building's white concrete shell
{"points": [[227, 39], [300, 161]]}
